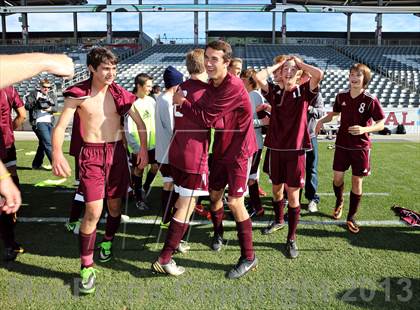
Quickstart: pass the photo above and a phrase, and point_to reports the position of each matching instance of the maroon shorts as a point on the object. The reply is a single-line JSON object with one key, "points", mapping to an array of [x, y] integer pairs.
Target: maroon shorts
{"points": [[253, 175], [103, 171], [235, 175], [287, 167], [190, 184], [9, 158], [166, 172], [359, 160]]}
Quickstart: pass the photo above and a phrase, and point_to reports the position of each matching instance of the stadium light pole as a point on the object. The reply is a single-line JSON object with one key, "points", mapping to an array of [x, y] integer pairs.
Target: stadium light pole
{"points": [[25, 26], [75, 27], [195, 25], [283, 25], [3, 25], [348, 28], [207, 22], [140, 42], [108, 25], [273, 32], [378, 32]]}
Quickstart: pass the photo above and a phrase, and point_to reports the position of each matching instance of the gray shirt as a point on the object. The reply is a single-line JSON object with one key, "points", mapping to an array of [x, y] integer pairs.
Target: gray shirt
{"points": [[256, 100], [315, 111], [164, 117]]}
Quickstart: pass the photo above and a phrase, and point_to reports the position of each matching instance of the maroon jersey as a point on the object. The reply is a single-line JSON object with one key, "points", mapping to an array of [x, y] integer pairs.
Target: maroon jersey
{"points": [[189, 148], [356, 111], [229, 104], [9, 99], [76, 140], [288, 130]]}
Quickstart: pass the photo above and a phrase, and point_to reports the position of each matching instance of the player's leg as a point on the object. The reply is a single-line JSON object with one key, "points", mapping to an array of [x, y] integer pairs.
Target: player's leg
{"points": [[293, 212], [338, 187], [216, 212], [355, 197]]}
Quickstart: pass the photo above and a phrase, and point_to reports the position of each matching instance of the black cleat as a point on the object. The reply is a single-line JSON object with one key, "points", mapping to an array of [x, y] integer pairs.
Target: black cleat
{"points": [[292, 249], [272, 227], [216, 243], [10, 253], [242, 268]]}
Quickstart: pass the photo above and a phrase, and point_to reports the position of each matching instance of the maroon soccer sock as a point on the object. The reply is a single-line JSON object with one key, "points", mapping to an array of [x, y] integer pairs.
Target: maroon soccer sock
{"points": [[338, 191], [87, 246], [244, 230], [254, 196], [111, 227], [354, 205], [137, 180], [278, 207], [149, 179], [15, 179], [7, 229], [293, 214], [166, 206], [173, 238], [217, 219]]}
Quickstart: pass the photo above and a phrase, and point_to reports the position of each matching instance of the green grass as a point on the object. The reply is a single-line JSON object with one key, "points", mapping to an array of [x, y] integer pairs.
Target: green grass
{"points": [[376, 269]]}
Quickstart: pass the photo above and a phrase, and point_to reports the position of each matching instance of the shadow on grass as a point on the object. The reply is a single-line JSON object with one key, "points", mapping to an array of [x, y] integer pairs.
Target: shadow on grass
{"points": [[393, 293], [401, 239]]}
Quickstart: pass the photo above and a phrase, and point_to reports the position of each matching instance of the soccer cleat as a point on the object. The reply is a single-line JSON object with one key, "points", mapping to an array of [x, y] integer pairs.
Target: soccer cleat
{"points": [[352, 226], [142, 206], [292, 249], [183, 247], [10, 253], [242, 268], [338, 211], [256, 213], [272, 227], [73, 227], [105, 251], [216, 243], [170, 268], [88, 278], [312, 207]]}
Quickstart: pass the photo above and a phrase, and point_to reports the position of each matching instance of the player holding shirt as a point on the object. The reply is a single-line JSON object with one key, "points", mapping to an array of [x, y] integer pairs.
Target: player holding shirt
{"points": [[104, 173], [288, 138], [357, 108], [188, 155], [227, 100], [10, 100]]}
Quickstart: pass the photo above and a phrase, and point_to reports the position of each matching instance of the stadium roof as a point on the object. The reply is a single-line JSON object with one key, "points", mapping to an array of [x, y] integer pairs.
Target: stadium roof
{"points": [[354, 2], [43, 2]]}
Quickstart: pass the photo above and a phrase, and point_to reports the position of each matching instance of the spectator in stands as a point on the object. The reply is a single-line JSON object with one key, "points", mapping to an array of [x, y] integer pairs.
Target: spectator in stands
{"points": [[41, 104], [156, 91], [235, 66]]}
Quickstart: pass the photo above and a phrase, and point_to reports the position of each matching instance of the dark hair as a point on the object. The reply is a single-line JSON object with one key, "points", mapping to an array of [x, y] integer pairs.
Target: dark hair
{"points": [[98, 55], [220, 45], [248, 74], [195, 61], [156, 88], [141, 80]]}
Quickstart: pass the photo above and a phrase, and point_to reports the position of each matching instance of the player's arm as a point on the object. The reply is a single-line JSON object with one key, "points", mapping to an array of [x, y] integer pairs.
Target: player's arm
{"points": [[326, 119], [142, 156], [20, 117], [19, 67], [60, 166], [262, 76], [9, 191], [316, 107], [359, 130], [316, 74]]}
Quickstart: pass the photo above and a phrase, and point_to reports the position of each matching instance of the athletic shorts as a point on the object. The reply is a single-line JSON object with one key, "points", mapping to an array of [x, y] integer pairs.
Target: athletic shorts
{"points": [[235, 175], [9, 158], [190, 184], [166, 172], [359, 160], [103, 171], [287, 167], [253, 175]]}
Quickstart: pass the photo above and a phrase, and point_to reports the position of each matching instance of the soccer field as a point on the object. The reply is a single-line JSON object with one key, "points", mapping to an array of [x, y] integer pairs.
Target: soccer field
{"points": [[377, 269]]}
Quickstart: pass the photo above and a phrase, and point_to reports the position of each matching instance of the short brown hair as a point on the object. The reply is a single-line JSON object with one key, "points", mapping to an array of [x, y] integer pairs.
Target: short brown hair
{"points": [[279, 58], [249, 75], [98, 55], [220, 45], [195, 61], [141, 80], [233, 60], [367, 74]]}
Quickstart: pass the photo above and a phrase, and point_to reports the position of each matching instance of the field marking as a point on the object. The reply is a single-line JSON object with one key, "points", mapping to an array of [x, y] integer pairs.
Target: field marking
{"points": [[364, 194], [410, 146], [138, 220]]}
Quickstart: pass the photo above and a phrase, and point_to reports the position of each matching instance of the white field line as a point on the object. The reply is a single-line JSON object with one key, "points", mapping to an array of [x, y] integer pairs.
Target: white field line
{"points": [[410, 146], [137, 220]]}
